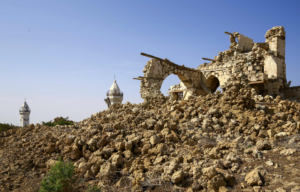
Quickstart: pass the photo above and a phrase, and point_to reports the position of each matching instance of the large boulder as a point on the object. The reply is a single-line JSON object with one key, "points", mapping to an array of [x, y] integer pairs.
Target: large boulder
{"points": [[50, 163], [159, 148], [216, 182], [233, 158], [253, 178], [107, 169], [83, 167], [288, 152], [263, 145], [214, 153], [280, 135], [209, 172], [50, 148], [296, 189], [75, 153], [117, 160], [124, 182]]}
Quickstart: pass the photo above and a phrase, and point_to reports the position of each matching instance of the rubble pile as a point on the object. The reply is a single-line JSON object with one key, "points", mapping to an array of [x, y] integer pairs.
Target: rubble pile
{"points": [[231, 141]]}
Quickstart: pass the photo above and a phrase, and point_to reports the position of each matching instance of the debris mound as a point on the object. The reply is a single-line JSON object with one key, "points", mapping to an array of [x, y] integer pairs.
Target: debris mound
{"points": [[236, 140]]}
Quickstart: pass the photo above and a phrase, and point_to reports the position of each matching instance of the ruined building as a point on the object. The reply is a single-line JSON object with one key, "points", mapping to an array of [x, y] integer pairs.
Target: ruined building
{"points": [[261, 64]]}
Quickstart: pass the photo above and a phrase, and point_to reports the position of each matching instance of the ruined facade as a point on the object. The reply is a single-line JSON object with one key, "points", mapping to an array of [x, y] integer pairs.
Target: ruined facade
{"points": [[262, 65]]}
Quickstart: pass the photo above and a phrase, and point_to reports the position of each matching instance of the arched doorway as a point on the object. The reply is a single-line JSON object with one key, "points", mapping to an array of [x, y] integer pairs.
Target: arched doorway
{"points": [[177, 86], [168, 82], [212, 83]]}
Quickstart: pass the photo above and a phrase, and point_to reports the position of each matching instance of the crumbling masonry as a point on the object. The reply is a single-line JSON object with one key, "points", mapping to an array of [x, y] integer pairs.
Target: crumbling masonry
{"points": [[262, 65]]}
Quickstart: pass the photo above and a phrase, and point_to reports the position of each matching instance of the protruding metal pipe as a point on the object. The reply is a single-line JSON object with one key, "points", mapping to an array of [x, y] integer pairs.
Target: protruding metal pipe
{"points": [[208, 59], [169, 62], [228, 33], [151, 56]]}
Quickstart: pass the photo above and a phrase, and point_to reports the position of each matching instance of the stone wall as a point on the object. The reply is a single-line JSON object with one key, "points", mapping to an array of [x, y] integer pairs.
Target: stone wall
{"points": [[174, 89], [292, 93], [157, 71], [262, 65]]}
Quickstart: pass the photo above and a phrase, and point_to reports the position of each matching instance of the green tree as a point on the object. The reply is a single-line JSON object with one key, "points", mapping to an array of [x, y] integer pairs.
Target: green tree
{"points": [[59, 178], [58, 121], [5, 127]]}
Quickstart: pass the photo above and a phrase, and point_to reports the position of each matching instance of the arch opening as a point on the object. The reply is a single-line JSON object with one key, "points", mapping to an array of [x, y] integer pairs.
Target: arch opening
{"points": [[175, 86], [213, 84], [168, 82]]}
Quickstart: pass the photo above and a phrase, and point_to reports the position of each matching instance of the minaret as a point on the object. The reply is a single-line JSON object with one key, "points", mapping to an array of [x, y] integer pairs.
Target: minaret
{"points": [[24, 115], [114, 94]]}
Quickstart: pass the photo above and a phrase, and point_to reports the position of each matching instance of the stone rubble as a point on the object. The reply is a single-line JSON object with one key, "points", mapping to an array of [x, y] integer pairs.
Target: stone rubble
{"points": [[230, 141], [217, 142]]}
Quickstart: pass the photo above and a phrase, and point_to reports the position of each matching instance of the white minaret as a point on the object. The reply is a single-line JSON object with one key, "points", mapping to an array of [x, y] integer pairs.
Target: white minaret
{"points": [[24, 115], [114, 94]]}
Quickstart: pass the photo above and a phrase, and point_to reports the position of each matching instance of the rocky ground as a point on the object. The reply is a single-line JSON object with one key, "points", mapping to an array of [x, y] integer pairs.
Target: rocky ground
{"points": [[231, 141]]}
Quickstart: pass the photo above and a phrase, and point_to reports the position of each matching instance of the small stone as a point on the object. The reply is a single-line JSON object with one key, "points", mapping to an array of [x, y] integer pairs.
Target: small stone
{"points": [[296, 189], [89, 175], [177, 176], [280, 190], [271, 133], [50, 163], [128, 145], [155, 139], [270, 163]]}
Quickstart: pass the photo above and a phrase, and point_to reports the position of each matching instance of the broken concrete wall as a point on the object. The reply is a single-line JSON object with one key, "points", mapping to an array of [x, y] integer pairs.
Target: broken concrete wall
{"points": [[245, 43], [173, 91], [157, 71], [275, 65], [292, 93], [275, 38], [262, 65]]}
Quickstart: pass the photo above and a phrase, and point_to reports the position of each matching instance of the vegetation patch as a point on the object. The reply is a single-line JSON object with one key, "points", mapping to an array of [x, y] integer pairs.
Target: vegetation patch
{"points": [[59, 177], [58, 121], [5, 127]]}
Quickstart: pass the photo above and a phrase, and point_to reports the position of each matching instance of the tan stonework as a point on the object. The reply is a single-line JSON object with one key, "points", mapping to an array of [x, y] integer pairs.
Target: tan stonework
{"points": [[262, 64]]}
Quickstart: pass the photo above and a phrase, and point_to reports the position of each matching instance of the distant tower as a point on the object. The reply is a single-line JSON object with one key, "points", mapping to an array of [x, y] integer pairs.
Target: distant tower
{"points": [[114, 94], [24, 115]]}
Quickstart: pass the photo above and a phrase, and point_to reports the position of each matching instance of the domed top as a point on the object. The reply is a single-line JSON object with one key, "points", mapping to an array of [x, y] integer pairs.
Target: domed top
{"points": [[25, 108], [114, 90]]}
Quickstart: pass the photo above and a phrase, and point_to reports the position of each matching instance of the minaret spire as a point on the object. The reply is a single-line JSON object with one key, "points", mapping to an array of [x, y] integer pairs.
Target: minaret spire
{"points": [[24, 114], [114, 95]]}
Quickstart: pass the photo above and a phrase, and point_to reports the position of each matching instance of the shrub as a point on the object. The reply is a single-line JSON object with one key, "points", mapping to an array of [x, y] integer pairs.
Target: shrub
{"points": [[58, 121], [59, 177], [5, 127]]}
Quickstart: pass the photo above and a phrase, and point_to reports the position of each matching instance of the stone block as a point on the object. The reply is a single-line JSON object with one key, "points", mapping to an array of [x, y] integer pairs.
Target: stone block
{"points": [[277, 45], [271, 133], [245, 43]]}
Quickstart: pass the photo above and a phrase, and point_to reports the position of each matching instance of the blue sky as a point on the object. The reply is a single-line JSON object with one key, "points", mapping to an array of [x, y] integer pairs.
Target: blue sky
{"points": [[63, 55]]}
